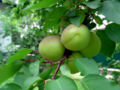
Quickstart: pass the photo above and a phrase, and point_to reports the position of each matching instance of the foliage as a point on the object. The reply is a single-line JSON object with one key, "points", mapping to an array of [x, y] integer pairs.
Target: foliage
{"points": [[32, 20]]}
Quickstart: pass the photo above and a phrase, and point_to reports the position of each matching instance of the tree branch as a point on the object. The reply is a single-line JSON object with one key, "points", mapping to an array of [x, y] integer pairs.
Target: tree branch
{"points": [[58, 66]]}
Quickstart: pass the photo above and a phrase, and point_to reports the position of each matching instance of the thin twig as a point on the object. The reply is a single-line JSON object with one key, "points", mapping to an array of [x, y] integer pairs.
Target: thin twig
{"points": [[58, 66], [46, 67], [47, 61], [36, 51], [30, 61]]}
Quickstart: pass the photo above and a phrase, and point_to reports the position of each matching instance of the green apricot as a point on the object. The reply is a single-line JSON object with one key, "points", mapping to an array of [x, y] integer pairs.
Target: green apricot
{"points": [[75, 38], [94, 46], [51, 48], [74, 56], [71, 64]]}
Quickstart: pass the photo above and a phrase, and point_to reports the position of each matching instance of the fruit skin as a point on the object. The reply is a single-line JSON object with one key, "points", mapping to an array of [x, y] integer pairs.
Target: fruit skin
{"points": [[71, 64], [94, 46], [51, 48], [75, 38]]}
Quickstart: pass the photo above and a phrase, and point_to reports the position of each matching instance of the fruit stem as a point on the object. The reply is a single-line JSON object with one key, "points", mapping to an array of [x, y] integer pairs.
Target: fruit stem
{"points": [[58, 66]]}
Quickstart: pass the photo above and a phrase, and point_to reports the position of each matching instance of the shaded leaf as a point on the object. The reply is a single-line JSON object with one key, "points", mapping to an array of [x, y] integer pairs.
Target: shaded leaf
{"points": [[111, 9], [46, 72], [93, 4], [113, 32], [78, 19], [108, 46], [41, 85], [53, 17], [98, 20], [100, 58]]}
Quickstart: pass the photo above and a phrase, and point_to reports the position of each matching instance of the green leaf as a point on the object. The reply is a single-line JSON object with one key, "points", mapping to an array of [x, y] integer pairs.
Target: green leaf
{"points": [[46, 72], [78, 20], [41, 85], [25, 79], [30, 81], [111, 9], [67, 4], [62, 83], [65, 69], [87, 66], [19, 55], [79, 85], [97, 82], [22, 75], [8, 70], [93, 4], [20, 78], [42, 4], [36, 88], [53, 17], [34, 68], [21, 1], [108, 46], [11, 86], [98, 20], [113, 32], [91, 25]]}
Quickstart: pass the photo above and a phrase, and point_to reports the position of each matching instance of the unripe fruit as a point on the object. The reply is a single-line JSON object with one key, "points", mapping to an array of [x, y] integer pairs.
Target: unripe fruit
{"points": [[51, 48], [75, 38], [74, 56], [71, 65], [94, 46]]}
